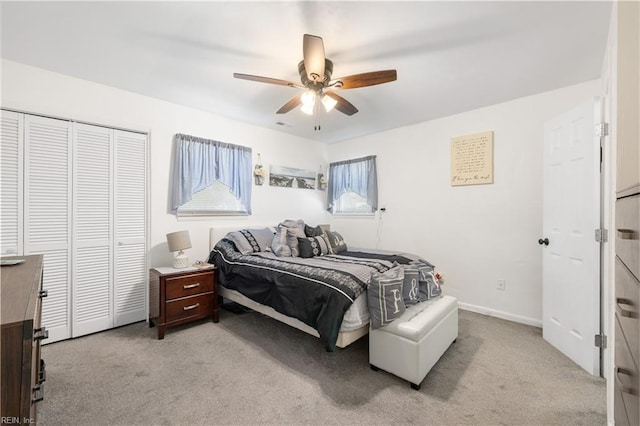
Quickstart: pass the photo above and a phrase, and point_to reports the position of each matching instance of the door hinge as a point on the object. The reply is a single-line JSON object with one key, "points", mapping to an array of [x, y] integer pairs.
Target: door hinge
{"points": [[602, 129], [602, 235], [601, 341]]}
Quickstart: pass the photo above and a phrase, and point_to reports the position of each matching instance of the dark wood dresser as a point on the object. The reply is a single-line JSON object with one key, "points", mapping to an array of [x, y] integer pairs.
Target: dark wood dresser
{"points": [[23, 371], [179, 296], [627, 263]]}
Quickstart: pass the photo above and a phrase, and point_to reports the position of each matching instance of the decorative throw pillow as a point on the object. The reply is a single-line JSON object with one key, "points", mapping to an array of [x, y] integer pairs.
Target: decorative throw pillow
{"points": [[313, 246], [251, 240], [313, 232], [410, 285], [423, 279], [435, 289], [296, 230], [279, 244], [384, 296], [338, 244]]}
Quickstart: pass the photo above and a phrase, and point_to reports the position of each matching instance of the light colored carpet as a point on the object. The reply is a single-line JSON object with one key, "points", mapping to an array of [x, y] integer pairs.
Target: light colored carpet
{"points": [[249, 369]]}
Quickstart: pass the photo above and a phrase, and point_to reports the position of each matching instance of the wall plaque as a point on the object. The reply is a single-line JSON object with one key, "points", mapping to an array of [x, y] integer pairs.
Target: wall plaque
{"points": [[472, 159]]}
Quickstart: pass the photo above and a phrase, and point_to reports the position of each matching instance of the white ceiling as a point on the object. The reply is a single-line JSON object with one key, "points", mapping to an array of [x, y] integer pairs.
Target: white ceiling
{"points": [[450, 56]]}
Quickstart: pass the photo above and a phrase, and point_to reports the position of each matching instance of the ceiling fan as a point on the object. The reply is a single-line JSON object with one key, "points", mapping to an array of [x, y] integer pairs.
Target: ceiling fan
{"points": [[315, 76]]}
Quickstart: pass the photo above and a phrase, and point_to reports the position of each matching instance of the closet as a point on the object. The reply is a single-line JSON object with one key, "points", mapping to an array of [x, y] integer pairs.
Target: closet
{"points": [[77, 193]]}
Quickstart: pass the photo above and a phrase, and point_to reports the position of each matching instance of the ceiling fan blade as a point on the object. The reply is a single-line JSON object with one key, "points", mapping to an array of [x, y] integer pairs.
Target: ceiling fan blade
{"points": [[343, 105], [366, 79], [313, 54], [266, 80], [293, 102]]}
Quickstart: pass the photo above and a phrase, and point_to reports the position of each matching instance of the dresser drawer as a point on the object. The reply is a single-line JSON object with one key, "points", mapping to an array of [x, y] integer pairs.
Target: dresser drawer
{"points": [[626, 377], [619, 411], [189, 285], [628, 307], [190, 307], [628, 232]]}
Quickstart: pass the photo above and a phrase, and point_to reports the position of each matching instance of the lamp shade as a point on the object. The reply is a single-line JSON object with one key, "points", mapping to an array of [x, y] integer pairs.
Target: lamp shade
{"points": [[178, 241]]}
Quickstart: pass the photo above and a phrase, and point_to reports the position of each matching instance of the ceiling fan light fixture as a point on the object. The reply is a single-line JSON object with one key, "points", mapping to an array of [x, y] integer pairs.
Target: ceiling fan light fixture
{"points": [[328, 102], [308, 98], [307, 109]]}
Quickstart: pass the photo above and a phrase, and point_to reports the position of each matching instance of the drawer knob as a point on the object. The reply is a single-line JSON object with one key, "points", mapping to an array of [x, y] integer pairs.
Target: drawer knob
{"points": [[187, 287], [627, 234], [625, 312], [42, 372], [40, 333], [188, 308], [38, 392]]}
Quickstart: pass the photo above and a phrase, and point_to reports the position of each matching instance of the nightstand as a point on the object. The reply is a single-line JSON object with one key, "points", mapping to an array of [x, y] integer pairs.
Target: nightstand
{"points": [[179, 296]]}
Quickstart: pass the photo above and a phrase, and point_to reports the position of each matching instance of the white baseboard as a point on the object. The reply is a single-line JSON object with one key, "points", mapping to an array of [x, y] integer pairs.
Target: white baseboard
{"points": [[500, 314]]}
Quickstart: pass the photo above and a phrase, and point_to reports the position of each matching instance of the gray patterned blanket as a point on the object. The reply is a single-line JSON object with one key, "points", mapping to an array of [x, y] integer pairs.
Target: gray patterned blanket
{"points": [[317, 291]]}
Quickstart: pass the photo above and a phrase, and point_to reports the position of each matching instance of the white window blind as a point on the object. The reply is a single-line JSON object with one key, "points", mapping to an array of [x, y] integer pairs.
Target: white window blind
{"points": [[216, 199], [351, 203]]}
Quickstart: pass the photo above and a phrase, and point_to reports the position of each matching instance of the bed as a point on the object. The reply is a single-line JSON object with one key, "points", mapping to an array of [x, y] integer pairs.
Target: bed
{"points": [[324, 296]]}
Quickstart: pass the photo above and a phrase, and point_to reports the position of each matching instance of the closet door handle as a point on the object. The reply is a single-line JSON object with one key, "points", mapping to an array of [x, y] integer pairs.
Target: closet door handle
{"points": [[625, 312], [543, 242], [625, 389], [188, 308], [43, 294]]}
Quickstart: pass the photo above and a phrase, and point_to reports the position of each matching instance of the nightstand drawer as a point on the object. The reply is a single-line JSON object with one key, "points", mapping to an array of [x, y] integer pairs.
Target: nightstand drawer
{"points": [[189, 285], [190, 307]]}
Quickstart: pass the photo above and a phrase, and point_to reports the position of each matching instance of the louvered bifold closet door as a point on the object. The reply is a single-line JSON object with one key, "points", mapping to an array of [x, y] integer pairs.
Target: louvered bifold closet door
{"points": [[11, 135], [47, 213], [92, 229], [131, 228]]}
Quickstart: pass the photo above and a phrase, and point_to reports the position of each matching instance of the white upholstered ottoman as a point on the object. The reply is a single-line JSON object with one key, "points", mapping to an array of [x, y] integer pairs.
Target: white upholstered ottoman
{"points": [[413, 343]]}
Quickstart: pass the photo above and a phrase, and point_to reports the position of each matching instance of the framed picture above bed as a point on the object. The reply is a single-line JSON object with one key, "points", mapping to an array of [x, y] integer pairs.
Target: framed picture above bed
{"points": [[290, 177]]}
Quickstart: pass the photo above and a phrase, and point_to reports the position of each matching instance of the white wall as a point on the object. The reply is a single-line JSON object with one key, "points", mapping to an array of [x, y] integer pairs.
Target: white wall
{"points": [[35, 90], [475, 235]]}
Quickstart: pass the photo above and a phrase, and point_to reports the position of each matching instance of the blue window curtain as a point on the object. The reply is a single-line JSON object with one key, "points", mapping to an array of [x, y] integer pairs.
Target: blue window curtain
{"points": [[358, 175], [199, 162]]}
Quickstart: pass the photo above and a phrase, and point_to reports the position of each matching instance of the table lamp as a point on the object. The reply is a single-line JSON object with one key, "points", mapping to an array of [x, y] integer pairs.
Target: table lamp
{"points": [[178, 241]]}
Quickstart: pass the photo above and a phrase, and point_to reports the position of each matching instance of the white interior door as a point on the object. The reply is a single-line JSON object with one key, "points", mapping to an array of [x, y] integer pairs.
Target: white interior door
{"points": [[571, 214], [130, 227], [11, 183], [92, 229], [47, 214]]}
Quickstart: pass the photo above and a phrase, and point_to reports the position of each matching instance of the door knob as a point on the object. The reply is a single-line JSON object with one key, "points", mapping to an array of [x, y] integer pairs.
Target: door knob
{"points": [[545, 241]]}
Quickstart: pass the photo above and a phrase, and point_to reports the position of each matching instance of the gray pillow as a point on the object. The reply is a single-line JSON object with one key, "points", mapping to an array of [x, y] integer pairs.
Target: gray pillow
{"points": [[279, 243], [313, 232], [384, 296], [424, 270], [337, 242], [296, 230], [410, 285], [435, 290], [251, 240], [313, 246]]}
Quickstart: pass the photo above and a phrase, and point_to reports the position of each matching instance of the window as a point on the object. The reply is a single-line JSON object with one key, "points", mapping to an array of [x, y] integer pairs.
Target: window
{"points": [[353, 186], [215, 199], [211, 177]]}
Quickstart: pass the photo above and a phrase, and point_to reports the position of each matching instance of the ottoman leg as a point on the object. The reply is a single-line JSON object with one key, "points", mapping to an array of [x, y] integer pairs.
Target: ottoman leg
{"points": [[374, 368], [416, 387]]}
